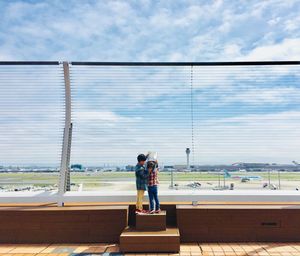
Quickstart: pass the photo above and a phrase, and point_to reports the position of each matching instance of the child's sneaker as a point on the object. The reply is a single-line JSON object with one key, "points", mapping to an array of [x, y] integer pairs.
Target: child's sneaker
{"points": [[158, 211], [151, 212], [137, 211]]}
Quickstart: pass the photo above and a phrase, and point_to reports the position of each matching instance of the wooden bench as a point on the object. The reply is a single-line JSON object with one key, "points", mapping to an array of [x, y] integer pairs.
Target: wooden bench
{"points": [[76, 224], [239, 223]]}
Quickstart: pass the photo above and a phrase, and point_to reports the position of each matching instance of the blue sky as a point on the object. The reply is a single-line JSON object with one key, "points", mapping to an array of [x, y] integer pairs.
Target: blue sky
{"points": [[240, 114], [149, 30]]}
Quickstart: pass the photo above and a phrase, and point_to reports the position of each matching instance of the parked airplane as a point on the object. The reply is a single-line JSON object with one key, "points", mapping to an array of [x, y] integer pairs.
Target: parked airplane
{"points": [[243, 178]]}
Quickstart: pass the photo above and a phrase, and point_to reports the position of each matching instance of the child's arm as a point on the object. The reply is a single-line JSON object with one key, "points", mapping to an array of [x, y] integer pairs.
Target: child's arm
{"points": [[143, 173]]}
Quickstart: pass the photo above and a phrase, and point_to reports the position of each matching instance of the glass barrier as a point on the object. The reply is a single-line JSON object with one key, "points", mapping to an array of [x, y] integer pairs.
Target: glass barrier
{"points": [[31, 126], [222, 127], [239, 123]]}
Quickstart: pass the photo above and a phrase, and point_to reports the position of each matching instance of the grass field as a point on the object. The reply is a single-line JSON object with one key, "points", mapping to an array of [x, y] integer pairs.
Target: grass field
{"points": [[113, 176], [125, 180]]}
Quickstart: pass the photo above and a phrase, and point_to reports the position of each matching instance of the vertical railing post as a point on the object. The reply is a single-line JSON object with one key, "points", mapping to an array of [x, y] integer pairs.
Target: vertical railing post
{"points": [[68, 178], [66, 147], [172, 178]]}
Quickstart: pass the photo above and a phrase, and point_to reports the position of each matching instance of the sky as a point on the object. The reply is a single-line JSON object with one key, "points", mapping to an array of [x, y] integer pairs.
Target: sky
{"points": [[147, 30], [239, 114]]}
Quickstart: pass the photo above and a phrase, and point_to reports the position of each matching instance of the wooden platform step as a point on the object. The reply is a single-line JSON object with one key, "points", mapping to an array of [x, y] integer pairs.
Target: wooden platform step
{"points": [[151, 222], [132, 240]]}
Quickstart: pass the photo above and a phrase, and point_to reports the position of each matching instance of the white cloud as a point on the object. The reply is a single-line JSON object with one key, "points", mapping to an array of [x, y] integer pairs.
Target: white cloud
{"points": [[288, 49], [108, 117], [263, 96], [293, 25], [281, 118]]}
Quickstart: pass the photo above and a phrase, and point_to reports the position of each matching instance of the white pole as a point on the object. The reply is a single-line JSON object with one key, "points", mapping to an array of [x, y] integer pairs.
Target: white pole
{"points": [[187, 151], [279, 182], [269, 178], [172, 178], [66, 139]]}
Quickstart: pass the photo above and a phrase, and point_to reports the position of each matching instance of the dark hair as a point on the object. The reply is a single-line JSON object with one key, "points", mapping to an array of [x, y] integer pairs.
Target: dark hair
{"points": [[151, 165], [141, 157]]}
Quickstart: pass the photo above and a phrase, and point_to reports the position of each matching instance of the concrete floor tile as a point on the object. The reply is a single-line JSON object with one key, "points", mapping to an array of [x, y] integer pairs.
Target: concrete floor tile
{"points": [[184, 253], [205, 248], [28, 249], [6, 249], [185, 248], [199, 253]]}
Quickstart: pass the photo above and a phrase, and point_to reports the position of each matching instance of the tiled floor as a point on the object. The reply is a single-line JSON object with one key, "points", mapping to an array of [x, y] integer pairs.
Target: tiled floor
{"points": [[228, 249]]}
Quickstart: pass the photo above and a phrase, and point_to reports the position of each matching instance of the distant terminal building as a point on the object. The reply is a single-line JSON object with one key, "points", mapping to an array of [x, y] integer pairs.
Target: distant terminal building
{"points": [[77, 168], [179, 167], [129, 168], [167, 168], [252, 165]]}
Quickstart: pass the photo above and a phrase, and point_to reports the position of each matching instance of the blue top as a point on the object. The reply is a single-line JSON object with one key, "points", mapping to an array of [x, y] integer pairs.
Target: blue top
{"points": [[141, 175]]}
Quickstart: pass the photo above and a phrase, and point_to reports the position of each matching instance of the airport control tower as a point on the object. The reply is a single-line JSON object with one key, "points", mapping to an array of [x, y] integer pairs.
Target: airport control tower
{"points": [[187, 151]]}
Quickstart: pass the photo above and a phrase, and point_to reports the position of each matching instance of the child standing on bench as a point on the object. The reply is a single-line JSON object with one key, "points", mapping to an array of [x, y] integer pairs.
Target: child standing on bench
{"points": [[152, 168], [141, 175]]}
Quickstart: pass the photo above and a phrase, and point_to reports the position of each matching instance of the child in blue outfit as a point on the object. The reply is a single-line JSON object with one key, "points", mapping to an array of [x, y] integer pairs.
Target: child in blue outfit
{"points": [[141, 175]]}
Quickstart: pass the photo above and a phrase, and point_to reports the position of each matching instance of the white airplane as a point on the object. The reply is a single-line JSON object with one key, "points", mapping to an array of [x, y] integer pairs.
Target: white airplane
{"points": [[243, 178]]}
